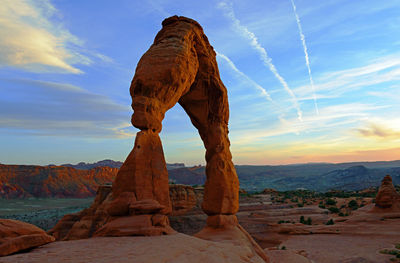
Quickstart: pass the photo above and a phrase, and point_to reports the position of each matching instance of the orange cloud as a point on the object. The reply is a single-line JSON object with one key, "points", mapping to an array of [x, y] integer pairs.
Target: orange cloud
{"points": [[375, 130]]}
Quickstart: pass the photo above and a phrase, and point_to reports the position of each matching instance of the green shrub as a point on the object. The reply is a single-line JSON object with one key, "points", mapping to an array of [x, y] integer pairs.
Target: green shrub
{"points": [[309, 221], [334, 210], [300, 204], [390, 252], [321, 206], [353, 204], [330, 201], [302, 220], [330, 222]]}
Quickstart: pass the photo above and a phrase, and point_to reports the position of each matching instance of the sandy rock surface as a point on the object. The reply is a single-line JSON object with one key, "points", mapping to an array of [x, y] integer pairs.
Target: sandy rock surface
{"points": [[171, 248], [16, 236]]}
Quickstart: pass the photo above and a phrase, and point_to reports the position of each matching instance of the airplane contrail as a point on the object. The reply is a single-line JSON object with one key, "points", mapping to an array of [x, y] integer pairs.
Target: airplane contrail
{"points": [[303, 41], [262, 52], [263, 91]]}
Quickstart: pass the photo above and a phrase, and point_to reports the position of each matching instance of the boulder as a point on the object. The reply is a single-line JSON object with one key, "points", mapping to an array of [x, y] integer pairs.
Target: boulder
{"points": [[18, 236], [120, 206], [387, 195], [183, 198]]}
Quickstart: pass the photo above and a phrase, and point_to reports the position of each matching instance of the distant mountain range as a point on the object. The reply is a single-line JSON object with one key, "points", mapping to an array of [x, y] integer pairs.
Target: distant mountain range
{"points": [[82, 179], [112, 164], [24, 181], [312, 176]]}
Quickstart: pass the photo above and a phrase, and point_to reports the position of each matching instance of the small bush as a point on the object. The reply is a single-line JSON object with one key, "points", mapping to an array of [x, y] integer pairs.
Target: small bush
{"points": [[321, 206], [330, 201], [283, 248], [334, 210], [390, 252], [302, 220], [330, 222], [353, 205]]}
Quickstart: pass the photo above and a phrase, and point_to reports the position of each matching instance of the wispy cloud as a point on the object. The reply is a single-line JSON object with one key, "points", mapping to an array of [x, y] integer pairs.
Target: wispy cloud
{"points": [[380, 131], [336, 83], [263, 91], [337, 117], [31, 41], [303, 41], [229, 12], [60, 109]]}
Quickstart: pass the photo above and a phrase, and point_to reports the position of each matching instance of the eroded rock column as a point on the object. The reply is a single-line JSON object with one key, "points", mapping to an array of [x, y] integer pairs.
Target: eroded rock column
{"points": [[144, 171]]}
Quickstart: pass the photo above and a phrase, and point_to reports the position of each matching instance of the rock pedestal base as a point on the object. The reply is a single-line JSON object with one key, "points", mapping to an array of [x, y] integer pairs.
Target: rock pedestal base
{"points": [[226, 229], [122, 216]]}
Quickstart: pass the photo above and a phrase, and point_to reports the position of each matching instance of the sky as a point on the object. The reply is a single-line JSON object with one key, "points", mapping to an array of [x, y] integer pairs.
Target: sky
{"points": [[307, 80]]}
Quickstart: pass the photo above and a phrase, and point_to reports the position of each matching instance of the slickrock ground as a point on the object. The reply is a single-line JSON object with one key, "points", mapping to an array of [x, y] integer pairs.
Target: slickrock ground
{"points": [[359, 239], [171, 248], [17, 236]]}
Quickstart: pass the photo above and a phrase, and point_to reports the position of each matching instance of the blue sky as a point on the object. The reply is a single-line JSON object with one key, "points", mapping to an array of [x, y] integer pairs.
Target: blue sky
{"points": [[308, 81]]}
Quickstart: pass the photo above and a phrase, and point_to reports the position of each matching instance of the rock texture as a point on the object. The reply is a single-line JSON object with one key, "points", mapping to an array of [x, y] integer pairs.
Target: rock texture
{"points": [[108, 216], [183, 198], [387, 196], [21, 181], [17, 236], [181, 67], [177, 248]]}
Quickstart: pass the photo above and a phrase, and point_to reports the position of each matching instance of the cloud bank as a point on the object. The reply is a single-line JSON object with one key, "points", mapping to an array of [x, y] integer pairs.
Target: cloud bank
{"points": [[45, 108], [30, 40]]}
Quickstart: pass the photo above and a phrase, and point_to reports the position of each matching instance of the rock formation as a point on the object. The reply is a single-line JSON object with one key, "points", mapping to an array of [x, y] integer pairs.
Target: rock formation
{"points": [[17, 236], [86, 223], [181, 67], [387, 197], [22, 181], [183, 198]]}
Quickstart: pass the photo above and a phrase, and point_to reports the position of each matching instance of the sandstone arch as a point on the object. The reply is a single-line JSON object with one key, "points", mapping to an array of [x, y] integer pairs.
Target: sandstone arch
{"points": [[180, 67]]}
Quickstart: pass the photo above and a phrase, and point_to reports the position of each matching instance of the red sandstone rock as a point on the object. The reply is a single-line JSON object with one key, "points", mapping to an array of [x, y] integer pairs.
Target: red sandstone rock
{"points": [[144, 172], [16, 236], [183, 198], [286, 256], [181, 67], [85, 223], [119, 217], [52, 181], [145, 206], [136, 225], [120, 206], [387, 196], [233, 234]]}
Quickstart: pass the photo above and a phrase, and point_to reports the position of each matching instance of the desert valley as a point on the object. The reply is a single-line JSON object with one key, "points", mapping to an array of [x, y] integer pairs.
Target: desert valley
{"points": [[297, 225]]}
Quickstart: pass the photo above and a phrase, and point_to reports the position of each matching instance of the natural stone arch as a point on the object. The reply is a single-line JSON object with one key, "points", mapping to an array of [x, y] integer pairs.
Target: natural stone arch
{"points": [[181, 67]]}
